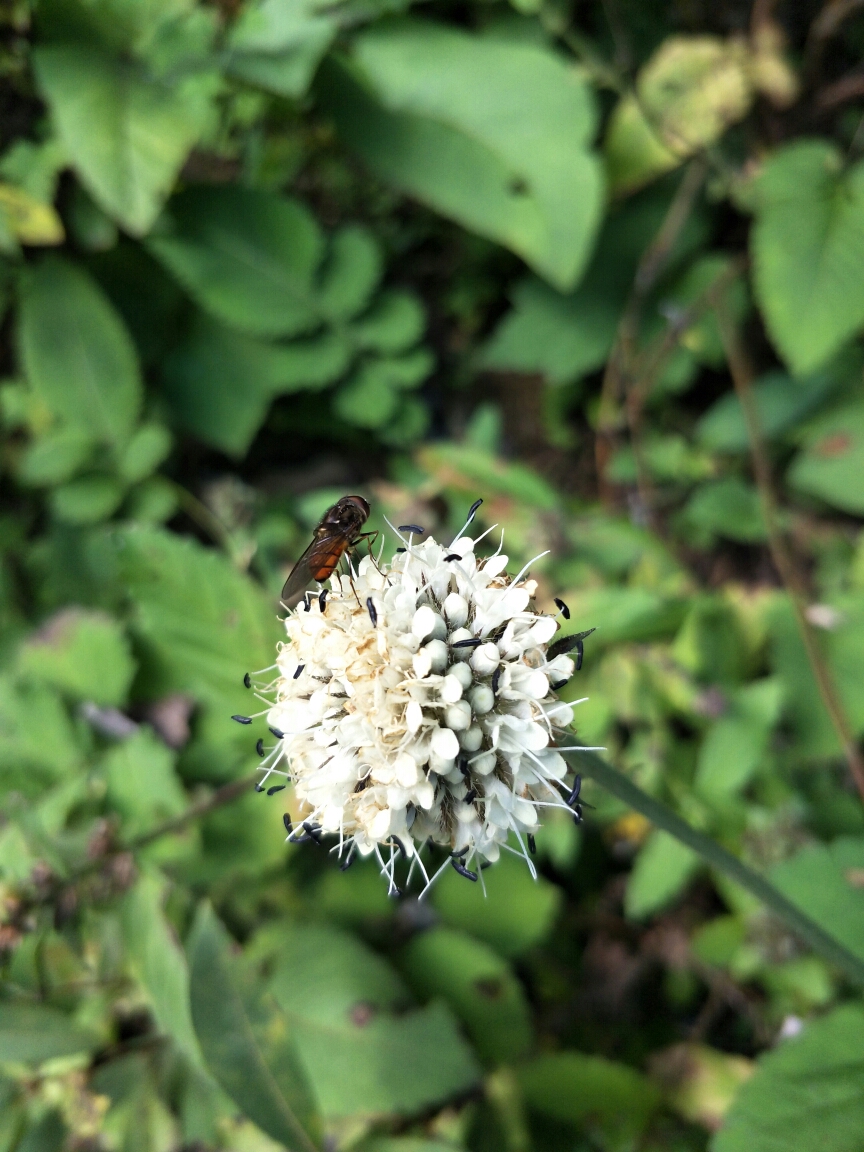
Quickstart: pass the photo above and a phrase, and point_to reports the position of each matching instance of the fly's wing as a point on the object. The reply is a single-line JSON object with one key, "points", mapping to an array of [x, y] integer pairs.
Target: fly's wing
{"points": [[316, 563]]}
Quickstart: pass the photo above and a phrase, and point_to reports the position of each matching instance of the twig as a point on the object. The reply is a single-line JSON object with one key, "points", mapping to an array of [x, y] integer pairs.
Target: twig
{"points": [[621, 365], [742, 378], [222, 796]]}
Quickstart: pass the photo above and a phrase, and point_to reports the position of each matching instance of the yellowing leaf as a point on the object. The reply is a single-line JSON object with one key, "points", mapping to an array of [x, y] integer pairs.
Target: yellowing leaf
{"points": [[31, 221]]}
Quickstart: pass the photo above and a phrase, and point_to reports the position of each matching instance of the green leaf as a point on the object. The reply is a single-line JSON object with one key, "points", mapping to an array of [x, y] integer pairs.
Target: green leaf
{"points": [[77, 354], [84, 654], [159, 963], [478, 985], [610, 1101], [55, 456], [265, 1080], [492, 133], [393, 324], [728, 508], [142, 785], [362, 1060], [826, 882], [831, 463], [469, 469], [220, 383], [370, 398], [148, 447], [663, 869], [735, 745], [127, 133], [33, 1033], [246, 255], [781, 402], [37, 740], [87, 499], [202, 622], [277, 44], [517, 913], [807, 1093], [354, 268], [808, 251]]}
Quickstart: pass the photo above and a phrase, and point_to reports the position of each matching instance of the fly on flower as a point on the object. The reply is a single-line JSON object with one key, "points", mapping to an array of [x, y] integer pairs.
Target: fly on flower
{"points": [[337, 533]]}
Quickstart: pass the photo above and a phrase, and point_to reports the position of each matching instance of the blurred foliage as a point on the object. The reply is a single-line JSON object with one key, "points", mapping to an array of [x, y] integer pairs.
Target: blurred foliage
{"points": [[255, 254]]}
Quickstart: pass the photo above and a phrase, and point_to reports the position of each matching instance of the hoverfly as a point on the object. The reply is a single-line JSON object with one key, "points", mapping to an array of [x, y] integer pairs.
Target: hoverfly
{"points": [[337, 533]]}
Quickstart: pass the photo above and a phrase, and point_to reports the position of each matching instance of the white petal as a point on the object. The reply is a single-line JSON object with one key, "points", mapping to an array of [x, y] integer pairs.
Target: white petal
{"points": [[423, 622], [413, 716], [451, 689], [445, 742]]}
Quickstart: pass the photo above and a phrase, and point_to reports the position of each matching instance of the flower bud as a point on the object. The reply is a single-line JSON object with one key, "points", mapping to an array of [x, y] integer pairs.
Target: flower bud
{"points": [[458, 716], [485, 659]]}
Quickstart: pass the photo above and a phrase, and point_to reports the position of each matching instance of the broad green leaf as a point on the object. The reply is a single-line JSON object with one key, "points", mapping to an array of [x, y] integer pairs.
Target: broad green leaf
{"points": [[362, 1060], [33, 1033], [47, 1134], [37, 740], [202, 622], [246, 255], [126, 132], [159, 963], [729, 508], [736, 743], [87, 499], [82, 653], [610, 1101], [831, 463], [808, 1093], [781, 402], [808, 251], [662, 870], [31, 221], [371, 397], [517, 913], [394, 323], [220, 383], [623, 614], [827, 881], [55, 456], [351, 275], [478, 985], [277, 44], [471, 470], [688, 93], [493, 134], [142, 785], [77, 353], [261, 1074], [148, 447]]}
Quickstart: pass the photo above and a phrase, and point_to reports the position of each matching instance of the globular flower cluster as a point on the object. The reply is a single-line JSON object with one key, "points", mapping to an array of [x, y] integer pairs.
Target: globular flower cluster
{"points": [[415, 702]]}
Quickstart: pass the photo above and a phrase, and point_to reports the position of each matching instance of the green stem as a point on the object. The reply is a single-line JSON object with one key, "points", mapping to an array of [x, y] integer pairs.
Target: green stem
{"points": [[615, 782]]}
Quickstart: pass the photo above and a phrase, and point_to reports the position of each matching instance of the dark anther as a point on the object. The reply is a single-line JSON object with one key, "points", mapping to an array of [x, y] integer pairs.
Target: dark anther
{"points": [[565, 611], [577, 813], [322, 599], [259, 748], [486, 864], [259, 787], [313, 830], [307, 602], [373, 615], [276, 788], [467, 644], [470, 796], [297, 671], [242, 719], [463, 768], [279, 735], [412, 528], [574, 794], [286, 820], [463, 871], [557, 684], [348, 861], [400, 846], [532, 844], [247, 681], [401, 549], [395, 893], [567, 644], [496, 676], [452, 556], [472, 511], [458, 855]]}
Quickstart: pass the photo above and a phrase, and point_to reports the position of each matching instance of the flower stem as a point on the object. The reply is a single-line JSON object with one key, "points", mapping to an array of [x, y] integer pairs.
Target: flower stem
{"points": [[616, 783]]}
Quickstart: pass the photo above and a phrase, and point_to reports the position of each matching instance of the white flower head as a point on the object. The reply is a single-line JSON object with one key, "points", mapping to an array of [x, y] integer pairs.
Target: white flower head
{"points": [[416, 702]]}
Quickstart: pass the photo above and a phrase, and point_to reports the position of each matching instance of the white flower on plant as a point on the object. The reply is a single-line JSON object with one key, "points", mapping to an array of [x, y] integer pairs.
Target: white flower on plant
{"points": [[416, 702]]}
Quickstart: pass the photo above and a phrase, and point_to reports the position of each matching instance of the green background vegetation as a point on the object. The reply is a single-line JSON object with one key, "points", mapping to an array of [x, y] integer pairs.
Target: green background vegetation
{"points": [[601, 264]]}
